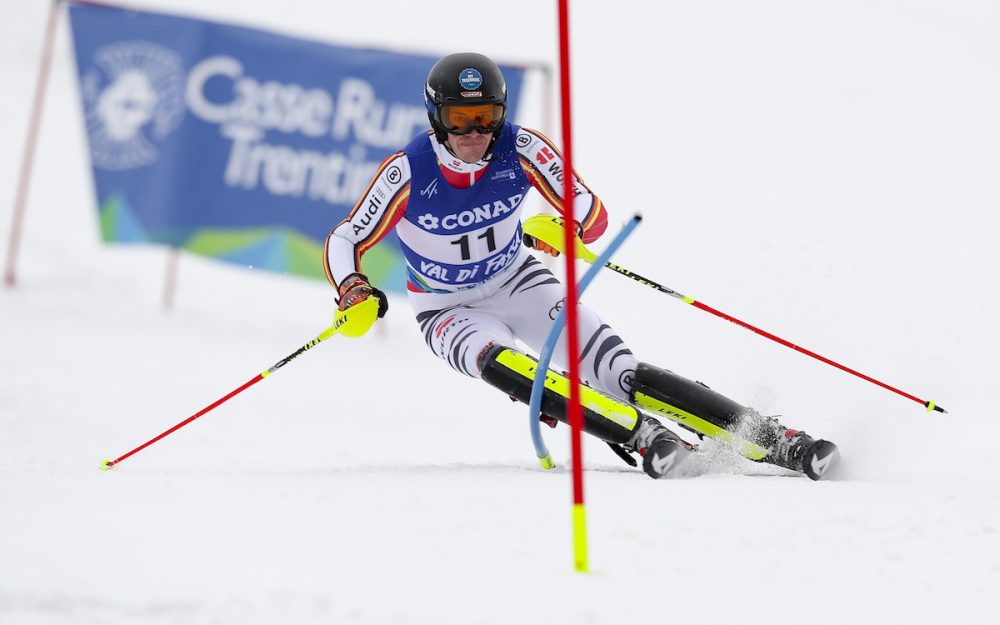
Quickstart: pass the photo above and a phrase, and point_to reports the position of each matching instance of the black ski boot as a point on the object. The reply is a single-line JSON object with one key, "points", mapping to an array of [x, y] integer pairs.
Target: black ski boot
{"points": [[796, 450], [663, 452], [694, 406], [820, 460]]}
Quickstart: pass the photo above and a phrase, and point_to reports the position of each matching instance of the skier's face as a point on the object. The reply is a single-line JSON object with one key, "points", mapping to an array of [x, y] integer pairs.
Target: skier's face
{"points": [[471, 148]]}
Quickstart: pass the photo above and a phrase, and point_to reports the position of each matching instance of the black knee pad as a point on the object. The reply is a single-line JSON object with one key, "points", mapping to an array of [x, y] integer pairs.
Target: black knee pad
{"points": [[603, 416]]}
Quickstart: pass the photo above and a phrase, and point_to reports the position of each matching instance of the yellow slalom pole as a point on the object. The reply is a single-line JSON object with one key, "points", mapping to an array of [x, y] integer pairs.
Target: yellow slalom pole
{"points": [[580, 538]]}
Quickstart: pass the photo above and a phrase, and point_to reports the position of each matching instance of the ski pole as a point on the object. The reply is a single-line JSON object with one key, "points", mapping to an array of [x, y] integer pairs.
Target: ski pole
{"points": [[541, 227], [353, 322]]}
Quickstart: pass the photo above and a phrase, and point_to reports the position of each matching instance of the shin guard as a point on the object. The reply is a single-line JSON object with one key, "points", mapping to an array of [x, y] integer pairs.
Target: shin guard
{"points": [[603, 416], [694, 406]]}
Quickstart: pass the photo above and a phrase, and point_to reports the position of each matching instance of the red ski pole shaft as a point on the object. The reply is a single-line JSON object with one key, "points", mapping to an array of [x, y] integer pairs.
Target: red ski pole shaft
{"points": [[107, 464], [353, 322], [930, 405]]}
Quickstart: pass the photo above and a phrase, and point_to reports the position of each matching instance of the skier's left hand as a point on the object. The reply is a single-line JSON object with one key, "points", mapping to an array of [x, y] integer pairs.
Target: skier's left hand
{"points": [[537, 244], [542, 246]]}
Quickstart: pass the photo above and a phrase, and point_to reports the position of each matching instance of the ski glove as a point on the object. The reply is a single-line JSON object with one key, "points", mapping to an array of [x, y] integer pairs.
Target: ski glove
{"points": [[355, 289], [542, 246]]}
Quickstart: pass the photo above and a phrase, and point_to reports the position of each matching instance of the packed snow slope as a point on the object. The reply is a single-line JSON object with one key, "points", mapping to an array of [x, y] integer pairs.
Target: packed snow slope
{"points": [[828, 171]]}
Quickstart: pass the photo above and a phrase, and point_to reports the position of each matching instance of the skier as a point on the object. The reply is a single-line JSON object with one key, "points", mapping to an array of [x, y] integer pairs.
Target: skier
{"points": [[454, 196]]}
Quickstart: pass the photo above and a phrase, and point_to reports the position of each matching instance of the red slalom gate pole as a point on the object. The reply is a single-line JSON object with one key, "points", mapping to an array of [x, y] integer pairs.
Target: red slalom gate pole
{"points": [[572, 334]]}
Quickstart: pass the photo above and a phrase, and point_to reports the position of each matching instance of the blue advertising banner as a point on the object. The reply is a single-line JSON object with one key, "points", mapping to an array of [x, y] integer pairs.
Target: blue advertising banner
{"points": [[238, 143]]}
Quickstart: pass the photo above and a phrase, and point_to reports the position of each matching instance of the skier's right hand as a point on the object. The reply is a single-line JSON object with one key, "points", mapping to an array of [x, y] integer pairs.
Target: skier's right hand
{"points": [[355, 289]]}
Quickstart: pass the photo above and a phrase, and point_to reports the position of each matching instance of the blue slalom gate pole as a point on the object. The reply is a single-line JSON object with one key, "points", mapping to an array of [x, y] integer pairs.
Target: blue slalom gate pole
{"points": [[535, 406]]}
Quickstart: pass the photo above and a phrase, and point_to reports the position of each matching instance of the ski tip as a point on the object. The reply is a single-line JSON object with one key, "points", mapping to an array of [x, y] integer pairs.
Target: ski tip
{"points": [[106, 465], [821, 460]]}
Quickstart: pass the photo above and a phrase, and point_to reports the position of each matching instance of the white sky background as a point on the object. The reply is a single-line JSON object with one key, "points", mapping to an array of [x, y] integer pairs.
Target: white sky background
{"points": [[829, 171]]}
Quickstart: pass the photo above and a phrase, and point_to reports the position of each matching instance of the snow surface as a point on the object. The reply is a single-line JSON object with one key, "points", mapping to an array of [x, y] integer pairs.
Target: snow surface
{"points": [[826, 170]]}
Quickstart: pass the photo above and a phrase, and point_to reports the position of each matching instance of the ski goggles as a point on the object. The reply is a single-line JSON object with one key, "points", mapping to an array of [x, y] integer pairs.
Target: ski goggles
{"points": [[463, 119]]}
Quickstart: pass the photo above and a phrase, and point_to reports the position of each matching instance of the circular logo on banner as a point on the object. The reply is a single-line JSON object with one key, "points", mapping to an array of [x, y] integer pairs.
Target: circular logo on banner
{"points": [[470, 78], [133, 98]]}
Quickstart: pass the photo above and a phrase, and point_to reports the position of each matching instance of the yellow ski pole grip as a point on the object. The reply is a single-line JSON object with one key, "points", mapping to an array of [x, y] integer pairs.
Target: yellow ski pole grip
{"points": [[549, 229], [356, 320]]}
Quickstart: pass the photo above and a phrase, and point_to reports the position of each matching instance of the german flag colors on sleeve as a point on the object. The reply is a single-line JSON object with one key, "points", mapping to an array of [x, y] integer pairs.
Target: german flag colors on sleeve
{"points": [[543, 164]]}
